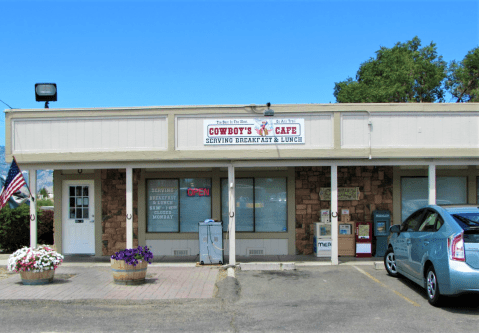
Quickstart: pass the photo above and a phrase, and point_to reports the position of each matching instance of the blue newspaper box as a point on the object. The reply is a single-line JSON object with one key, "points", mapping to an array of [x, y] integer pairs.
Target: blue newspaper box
{"points": [[381, 222]]}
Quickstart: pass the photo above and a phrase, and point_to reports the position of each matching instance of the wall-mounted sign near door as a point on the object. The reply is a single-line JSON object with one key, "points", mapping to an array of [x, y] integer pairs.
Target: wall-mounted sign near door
{"points": [[344, 193]]}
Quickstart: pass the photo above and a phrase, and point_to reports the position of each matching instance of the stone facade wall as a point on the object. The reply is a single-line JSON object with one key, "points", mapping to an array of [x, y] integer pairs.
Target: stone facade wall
{"points": [[113, 188], [375, 185]]}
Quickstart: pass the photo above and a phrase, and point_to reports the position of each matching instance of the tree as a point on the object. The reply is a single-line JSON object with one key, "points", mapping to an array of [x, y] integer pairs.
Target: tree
{"points": [[403, 73], [463, 78], [44, 193]]}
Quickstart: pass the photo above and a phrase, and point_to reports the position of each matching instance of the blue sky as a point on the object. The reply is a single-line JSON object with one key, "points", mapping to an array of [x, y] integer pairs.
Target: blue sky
{"points": [[147, 53]]}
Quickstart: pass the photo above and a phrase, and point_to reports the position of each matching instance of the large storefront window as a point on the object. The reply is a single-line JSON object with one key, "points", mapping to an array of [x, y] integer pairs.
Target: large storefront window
{"points": [[261, 204], [177, 205], [414, 192]]}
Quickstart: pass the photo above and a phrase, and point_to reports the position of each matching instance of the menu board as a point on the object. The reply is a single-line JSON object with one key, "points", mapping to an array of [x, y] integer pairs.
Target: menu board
{"points": [[162, 205]]}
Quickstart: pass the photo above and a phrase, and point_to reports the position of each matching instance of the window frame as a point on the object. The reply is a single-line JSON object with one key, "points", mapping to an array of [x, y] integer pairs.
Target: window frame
{"points": [[402, 177], [285, 178], [179, 203]]}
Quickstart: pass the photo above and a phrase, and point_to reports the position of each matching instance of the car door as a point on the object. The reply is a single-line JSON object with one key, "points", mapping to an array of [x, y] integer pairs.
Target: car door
{"points": [[422, 241], [402, 244]]}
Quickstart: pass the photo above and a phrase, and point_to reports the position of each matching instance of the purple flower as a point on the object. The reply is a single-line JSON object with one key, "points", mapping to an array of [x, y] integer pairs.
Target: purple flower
{"points": [[132, 256]]}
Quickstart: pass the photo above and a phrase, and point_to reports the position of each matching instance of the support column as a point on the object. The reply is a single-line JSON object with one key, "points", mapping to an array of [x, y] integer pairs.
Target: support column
{"points": [[334, 214], [32, 173], [232, 218], [129, 208], [432, 184]]}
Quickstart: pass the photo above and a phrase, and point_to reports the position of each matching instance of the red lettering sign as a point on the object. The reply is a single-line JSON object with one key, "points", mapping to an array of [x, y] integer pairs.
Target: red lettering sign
{"points": [[285, 130], [201, 192]]}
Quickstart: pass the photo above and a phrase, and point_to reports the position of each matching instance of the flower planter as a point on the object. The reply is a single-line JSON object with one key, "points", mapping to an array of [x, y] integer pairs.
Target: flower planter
{"points": [[37, 278], [126, 274]]}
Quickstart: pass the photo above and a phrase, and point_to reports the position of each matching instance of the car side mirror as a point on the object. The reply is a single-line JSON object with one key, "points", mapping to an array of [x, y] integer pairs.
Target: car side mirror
{"points": [[396, 228]]}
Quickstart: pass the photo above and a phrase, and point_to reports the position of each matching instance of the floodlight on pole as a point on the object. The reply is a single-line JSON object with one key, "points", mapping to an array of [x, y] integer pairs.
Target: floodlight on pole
{"points": [[46, 92]]}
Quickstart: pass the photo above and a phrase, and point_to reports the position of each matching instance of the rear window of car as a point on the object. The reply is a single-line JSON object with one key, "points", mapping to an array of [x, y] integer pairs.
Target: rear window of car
{"points": [[467, 220]]}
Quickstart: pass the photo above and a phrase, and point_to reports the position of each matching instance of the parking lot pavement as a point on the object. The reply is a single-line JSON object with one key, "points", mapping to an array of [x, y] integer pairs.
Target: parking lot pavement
{"points": [[96, 282], [345, 298]]}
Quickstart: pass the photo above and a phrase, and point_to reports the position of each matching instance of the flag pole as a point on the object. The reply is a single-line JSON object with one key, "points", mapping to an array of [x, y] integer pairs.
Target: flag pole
{"points": [[28, 187]]}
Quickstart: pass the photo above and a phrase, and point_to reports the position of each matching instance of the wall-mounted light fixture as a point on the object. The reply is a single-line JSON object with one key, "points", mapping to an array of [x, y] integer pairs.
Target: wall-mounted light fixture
{"points": [[268, 112], [46, 92]]}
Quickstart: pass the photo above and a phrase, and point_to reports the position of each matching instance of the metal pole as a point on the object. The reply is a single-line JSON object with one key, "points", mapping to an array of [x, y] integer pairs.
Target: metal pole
{"points": [[432, 184], [129, 208], [334, 214], [33, 207], [231, 225]]}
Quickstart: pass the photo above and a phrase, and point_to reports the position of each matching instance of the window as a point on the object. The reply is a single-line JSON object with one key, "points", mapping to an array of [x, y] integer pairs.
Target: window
{"points": [[177, 205], [261, 204], [413, 221], [79, 202], [432, 222], [414, 192]]}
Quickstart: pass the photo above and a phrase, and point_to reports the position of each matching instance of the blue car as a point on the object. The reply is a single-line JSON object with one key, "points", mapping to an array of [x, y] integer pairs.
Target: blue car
{"points": [[437, 247]]}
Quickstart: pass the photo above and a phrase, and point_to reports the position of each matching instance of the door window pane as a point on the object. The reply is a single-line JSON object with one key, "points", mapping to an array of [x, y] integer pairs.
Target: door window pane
{"points": [[195, 202], [244, 196], [270, 204], [162, 205], [79, 202], [414, 192], [429, 222], [413, 221]]}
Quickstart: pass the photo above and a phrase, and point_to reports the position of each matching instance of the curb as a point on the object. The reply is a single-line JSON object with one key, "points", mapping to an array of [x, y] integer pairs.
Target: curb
{"points": [[267, 266]]}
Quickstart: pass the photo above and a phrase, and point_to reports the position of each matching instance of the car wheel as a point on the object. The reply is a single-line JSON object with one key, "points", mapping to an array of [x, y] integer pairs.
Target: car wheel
{"points": [[432, 287], [390, 262]]}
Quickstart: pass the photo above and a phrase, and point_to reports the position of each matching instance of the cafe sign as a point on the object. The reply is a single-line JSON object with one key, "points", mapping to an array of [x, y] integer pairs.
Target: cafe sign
{"points": [[253, 131]]}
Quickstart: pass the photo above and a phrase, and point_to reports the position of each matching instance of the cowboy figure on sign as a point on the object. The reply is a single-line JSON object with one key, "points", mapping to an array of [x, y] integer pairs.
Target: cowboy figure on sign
{"points": [[263, 131]]}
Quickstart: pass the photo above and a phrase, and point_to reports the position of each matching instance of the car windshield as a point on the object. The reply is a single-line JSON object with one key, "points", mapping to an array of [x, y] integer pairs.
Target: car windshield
{"points": [[467, 220]]}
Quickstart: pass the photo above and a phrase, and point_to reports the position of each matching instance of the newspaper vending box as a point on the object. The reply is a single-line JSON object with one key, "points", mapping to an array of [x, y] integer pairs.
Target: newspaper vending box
{"points": [[364, 239], [322, 239]]}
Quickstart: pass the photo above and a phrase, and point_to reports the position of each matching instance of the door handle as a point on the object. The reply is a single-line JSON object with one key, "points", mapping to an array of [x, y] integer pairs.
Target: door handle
{"points": [[408, 241], [426, 242]]}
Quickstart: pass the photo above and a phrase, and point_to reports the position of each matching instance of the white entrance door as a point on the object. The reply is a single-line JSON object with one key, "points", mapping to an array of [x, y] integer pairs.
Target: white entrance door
{"points": [[78, 217]]}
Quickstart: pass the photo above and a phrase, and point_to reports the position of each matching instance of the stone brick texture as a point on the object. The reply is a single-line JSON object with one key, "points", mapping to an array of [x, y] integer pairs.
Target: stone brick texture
{"points": [[376, 193], [113, 188]]}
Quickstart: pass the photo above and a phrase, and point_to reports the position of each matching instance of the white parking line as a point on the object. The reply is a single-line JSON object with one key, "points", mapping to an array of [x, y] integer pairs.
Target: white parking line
{"points": [[383, 285]]}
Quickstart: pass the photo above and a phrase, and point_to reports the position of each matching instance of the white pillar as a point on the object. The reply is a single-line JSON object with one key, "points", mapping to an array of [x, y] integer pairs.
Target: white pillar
{"points": [[334, 214], [432, 184], [32, 173], [232, 209], [129, 208]]}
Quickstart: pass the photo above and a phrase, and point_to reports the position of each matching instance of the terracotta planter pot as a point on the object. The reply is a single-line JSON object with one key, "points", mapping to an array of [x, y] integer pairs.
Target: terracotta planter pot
{"points": [[126, 274], [36, 278]]}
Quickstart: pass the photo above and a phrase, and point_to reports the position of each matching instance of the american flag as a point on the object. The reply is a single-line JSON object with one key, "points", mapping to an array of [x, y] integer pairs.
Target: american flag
{"points": [[14, 182]]}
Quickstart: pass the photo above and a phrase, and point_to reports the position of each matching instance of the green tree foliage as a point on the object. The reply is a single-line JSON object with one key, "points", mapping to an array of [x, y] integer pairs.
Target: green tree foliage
{"points": [[44, 202], [15, 227], [463, 78], [44, 193], [403, 73]]}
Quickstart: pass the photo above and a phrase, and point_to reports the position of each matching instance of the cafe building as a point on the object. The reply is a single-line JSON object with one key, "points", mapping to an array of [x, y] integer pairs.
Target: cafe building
{"points": [[125, 177]]}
